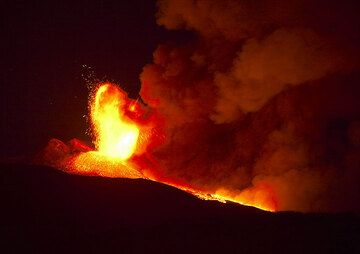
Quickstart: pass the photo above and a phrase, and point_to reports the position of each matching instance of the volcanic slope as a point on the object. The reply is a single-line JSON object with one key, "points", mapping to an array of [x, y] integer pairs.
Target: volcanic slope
{"points": [[45, 211]]}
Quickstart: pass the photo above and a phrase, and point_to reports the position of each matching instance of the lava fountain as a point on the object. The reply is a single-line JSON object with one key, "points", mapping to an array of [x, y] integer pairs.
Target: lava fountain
{"points": [[125, 134], [116, 136]]}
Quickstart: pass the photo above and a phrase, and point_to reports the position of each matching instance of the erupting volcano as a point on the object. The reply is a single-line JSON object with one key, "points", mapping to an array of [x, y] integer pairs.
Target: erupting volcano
{"points": [[180, 126], [124, 133], [259, 108]]}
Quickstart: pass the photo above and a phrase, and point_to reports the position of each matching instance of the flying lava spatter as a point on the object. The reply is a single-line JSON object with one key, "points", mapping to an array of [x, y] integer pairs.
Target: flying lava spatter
{"points": [[124, 135]]}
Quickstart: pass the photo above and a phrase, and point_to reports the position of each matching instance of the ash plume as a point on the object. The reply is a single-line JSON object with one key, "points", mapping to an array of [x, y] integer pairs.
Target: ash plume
{"points": [[267, 97]]}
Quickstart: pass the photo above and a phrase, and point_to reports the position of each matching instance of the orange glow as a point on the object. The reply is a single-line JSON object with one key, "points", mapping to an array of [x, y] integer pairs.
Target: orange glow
{"points": [[95, 163], [261, 197], [124, 135], [116, 136], [132, 107]]}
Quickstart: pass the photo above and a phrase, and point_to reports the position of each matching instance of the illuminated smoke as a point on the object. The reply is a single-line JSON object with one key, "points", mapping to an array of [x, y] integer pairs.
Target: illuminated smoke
{"points": [[264, 105], [262, 109]]}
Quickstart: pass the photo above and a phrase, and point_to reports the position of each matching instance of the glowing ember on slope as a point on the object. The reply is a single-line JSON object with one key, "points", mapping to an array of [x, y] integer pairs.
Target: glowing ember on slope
{"points": [[261, 197]]}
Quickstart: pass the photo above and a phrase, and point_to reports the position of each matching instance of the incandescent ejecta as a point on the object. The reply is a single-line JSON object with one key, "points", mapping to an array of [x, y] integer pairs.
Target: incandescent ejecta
{"points": [[261, 108]]}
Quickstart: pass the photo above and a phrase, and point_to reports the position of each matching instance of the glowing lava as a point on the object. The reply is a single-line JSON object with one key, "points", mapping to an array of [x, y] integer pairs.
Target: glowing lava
{"points": [[115, 135], [124, 134]]}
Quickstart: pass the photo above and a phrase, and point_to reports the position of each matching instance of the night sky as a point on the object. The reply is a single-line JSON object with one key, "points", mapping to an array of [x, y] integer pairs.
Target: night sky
{"points": [[45, 48]]}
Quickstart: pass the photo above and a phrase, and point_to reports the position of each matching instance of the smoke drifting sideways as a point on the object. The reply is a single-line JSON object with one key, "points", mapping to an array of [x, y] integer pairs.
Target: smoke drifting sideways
{"points": [[267, 96]]}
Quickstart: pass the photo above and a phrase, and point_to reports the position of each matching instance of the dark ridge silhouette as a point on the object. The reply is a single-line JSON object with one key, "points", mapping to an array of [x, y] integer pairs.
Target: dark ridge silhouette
{"points": [[46, 211]]}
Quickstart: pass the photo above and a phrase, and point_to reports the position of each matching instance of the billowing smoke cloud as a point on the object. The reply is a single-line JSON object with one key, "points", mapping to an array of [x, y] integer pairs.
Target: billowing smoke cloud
{"points": [[267, 97]]}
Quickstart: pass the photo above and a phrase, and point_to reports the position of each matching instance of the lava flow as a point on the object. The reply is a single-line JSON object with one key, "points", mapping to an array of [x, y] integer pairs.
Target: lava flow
{"points": [[125, 134]]}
